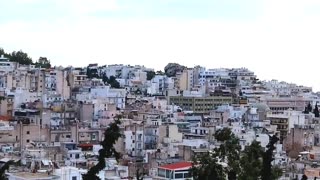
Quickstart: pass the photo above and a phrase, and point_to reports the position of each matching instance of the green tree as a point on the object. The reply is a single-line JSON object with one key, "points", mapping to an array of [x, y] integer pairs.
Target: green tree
{"points": [[240, 93], [43, 62], [2, 52], [267, 171], [92, 73], [20, 57], [316, 111], [229, 151], [309, 107], [111, 135], [304, 177], [150, 75], [207, 167], [113, 82], [160, 73], [251, 162], [105, 78], [3, 170]]}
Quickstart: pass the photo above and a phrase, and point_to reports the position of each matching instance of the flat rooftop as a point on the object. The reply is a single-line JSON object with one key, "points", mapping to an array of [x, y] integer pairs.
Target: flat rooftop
{"points": [[28, 175]]}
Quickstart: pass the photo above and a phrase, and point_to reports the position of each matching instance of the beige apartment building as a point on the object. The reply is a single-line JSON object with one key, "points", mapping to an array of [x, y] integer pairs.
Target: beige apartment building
{"points": [[184, 79], [281, 104], [77, 78], [199, 104]]}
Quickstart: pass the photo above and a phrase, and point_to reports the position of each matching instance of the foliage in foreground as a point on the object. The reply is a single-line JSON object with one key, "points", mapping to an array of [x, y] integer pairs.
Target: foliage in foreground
{"points": [[111, 135], [228, 162]]}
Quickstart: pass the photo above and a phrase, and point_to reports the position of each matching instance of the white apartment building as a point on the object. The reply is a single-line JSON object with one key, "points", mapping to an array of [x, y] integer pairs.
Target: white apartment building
{"points": [[134, 139], [6, 65], [56, 81], [24, 95], [113, 96], [159, 84], [286, 121]]}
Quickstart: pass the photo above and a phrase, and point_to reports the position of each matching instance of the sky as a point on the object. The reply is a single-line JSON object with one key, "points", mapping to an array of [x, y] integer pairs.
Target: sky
{"points": [[277, 39]]}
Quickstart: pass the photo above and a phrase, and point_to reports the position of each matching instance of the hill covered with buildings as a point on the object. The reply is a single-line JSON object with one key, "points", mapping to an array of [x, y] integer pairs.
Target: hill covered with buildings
{"points": [[52, 120]]}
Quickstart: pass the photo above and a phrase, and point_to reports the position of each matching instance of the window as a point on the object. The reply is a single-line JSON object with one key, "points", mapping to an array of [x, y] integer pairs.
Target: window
{"points": [[77, 156], [28, 132], [74, 178], [178, 176], [28, 140]]}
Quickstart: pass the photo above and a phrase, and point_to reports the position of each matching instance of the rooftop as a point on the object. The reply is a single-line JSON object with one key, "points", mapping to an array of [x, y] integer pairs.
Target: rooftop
{"points": [[177, 166], [28, 175]]}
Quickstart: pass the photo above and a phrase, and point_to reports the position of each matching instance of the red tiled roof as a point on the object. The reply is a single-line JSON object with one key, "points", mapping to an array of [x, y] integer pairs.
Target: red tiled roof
{"points": [[5, 118], [85, 145], [175, 166]]}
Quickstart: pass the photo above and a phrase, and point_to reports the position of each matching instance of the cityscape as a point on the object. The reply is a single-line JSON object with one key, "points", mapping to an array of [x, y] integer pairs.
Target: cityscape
{"points": [[61, 122]]}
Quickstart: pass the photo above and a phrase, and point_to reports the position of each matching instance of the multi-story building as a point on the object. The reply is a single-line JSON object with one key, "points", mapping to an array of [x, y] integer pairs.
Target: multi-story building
{"points": [[199, 104], [159, 84], [134, 138], [77, 77], [184, 80], [286, 121], [113, 96], [281, 104]]}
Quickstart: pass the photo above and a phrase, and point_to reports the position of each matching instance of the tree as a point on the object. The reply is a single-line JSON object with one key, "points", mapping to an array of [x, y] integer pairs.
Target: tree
{"points": [[43, 62], [150, 75], [316, 111], [20, 57], [111, 135], [105, 78], [240, 93], [113, 82], [251, 162], [2, 52], [309, 107], [92, 73], [267, 172], [207, 167], [229, 151], [159, 73], [3, 170], [304, 177]]}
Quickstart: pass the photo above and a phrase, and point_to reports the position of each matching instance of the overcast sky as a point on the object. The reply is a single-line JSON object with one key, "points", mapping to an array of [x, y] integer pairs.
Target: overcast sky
{"points": [[275, 38]]}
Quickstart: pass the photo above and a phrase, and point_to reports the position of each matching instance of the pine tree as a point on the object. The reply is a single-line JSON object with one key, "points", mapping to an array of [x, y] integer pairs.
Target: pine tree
{"points": [[304, 177], [309, 107], [251, 162], [316, 111], [111, 135], [207, 167], [267, 172]]}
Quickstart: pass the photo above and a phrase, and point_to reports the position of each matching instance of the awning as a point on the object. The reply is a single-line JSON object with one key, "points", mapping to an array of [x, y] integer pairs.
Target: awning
{"points": [[46, 162]]}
